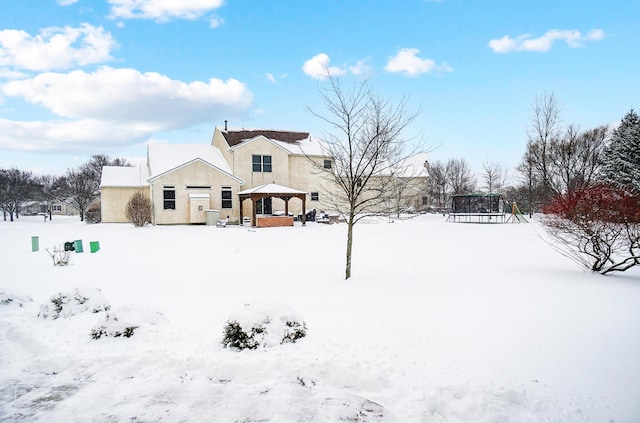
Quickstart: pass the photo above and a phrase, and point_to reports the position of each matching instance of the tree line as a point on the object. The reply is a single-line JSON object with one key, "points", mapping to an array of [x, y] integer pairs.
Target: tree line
{"points": [[558, 159], [78, 187]]}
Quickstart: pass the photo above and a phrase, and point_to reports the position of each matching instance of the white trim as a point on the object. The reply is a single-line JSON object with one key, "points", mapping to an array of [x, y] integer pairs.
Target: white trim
{"points": [[249, 141], [190, 162]]}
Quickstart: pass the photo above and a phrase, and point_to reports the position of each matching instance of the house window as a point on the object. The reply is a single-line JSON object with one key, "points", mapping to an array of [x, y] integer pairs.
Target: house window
{"points": [[327, 164], [169, 197], [56, 208], [198, 186], [425, 201], [315, 196], [359, 183], [227, 198], [261, 163]]}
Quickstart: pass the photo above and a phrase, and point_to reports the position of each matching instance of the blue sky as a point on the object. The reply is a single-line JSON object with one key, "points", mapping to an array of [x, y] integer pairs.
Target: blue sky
{"points": [[80, 77]]}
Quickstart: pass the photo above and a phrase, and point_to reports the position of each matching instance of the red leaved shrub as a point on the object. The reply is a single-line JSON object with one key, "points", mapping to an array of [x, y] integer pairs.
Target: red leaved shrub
{"points": [[598, 226]]}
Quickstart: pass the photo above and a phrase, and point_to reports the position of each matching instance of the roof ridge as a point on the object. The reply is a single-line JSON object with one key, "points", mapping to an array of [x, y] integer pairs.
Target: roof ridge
{"points": [[234, 138]]}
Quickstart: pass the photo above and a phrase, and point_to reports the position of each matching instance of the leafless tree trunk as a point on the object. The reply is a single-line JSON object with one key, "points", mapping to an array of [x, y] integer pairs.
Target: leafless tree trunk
{"points": [[575, 158], [16, 187], [365, 141], [494, 176], [545, 127], [439, 174], [460, 176], [525, 168]]}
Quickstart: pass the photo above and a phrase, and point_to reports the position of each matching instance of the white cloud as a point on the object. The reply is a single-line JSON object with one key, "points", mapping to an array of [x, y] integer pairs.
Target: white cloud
{"points": [[595, 35], [573, 38], [361, 68], [274, 79], [215, 21], [318, 67], [67, 136], [55, 48], [408, 62], [121, 105], [162, 10], [66, 2]]}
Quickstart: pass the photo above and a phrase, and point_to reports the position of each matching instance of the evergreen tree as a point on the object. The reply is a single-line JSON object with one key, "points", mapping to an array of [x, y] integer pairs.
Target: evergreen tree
{"points": [[621, 165]]}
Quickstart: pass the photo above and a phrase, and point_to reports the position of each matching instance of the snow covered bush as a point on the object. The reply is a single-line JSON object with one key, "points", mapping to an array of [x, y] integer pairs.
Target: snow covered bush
{"points": [[70, 303], [263, 325], [598, 227], [60, 256], [124, 322], [13, 298]]}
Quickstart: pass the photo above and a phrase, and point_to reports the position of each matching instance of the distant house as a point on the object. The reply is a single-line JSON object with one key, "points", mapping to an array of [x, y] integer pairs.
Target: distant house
{"points": [[183, 181], [41, 207]]}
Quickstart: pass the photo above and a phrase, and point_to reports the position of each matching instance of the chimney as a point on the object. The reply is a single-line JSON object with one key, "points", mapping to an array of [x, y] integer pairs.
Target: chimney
{"points": [[225, 125]]}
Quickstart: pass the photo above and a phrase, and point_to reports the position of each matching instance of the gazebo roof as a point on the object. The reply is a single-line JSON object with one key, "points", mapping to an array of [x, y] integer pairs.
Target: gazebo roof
{"points": [[271, 190], [274, 189]]}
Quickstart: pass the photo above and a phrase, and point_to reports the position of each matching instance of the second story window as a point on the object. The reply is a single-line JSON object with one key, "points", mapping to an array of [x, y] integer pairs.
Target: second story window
{"points": [[261, 163], [327, 164]]}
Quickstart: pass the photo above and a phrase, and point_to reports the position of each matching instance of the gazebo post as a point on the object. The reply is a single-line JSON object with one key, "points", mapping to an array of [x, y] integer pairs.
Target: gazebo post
{"points": [[254, 223], [304, 211]]}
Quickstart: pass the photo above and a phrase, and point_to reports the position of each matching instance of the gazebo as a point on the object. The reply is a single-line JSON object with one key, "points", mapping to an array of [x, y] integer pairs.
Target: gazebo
{"points": [[277, 191]]}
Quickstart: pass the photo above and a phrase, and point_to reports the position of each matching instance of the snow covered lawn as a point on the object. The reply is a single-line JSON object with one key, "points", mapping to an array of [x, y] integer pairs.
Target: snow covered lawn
{"points": [[441, 322]]}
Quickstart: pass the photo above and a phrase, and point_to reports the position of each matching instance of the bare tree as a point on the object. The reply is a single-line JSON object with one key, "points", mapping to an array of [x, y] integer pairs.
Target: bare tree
{"points": [[461, 178], [545, 126], [559, 160], [366, 143], [575, 158], [494, 176], [81, 186], [439, 186], [79, 189], [530, 184], [16, 187], [49, 190]]}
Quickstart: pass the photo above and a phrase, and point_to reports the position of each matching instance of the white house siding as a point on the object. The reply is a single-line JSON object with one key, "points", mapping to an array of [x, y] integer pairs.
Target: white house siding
{"points": [[113, 202], [241, 164], [194, 174]]}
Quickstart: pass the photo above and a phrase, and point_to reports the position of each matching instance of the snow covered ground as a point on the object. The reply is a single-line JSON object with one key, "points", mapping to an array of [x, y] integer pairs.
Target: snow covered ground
{"points": [[441, 322]]}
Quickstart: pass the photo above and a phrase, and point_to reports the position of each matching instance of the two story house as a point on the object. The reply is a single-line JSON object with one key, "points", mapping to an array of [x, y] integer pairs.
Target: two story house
{"points": [[184, 181]]}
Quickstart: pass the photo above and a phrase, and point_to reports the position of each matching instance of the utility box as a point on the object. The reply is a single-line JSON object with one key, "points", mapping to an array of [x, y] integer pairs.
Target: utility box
{"points": [[212, 217]]}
